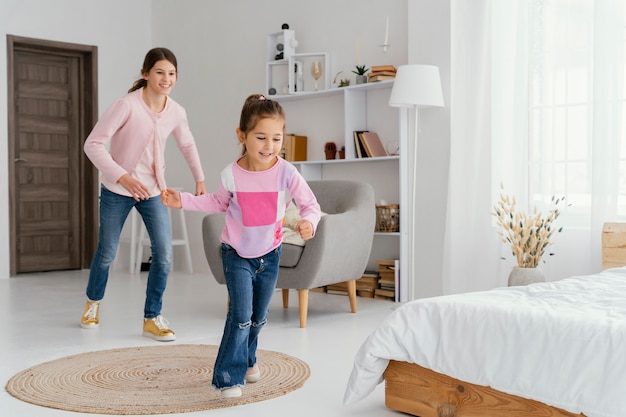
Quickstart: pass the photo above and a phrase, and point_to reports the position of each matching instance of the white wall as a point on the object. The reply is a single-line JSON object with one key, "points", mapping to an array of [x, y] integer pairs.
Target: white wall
{"points": [[121, 30], [221, 51], [429, 40], [221, 48]]}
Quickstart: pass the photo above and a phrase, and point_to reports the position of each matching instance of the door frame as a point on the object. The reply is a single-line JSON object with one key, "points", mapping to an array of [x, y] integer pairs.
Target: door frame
{"points": [[88, 115]]}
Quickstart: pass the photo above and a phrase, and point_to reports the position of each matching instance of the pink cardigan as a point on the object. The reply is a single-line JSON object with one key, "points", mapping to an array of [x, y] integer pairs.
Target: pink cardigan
{"points": [[128, 124]]}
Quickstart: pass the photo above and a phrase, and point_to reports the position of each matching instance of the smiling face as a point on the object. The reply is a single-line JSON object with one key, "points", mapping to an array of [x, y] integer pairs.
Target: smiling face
{"points": [[161, 78], [263, 143]]}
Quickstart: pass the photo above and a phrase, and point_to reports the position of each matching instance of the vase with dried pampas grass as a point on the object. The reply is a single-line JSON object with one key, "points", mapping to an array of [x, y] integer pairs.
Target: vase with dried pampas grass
{"points": [[530, 235]]}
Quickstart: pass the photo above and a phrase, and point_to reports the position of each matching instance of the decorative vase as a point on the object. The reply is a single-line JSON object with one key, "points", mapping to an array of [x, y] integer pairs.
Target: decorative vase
{"points": [[361, 79], [524, 276]]}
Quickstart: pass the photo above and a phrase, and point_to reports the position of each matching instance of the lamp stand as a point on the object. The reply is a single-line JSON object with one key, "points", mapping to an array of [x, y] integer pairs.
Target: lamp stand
{"points": [[412, 209]]}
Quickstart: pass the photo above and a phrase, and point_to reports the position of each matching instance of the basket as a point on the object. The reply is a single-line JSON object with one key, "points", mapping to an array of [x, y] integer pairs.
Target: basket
{"points": [[388, 218]]}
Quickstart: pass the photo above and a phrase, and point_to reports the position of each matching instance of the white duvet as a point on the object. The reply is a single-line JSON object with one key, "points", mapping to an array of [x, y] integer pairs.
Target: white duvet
{"points": [[562, 343]]}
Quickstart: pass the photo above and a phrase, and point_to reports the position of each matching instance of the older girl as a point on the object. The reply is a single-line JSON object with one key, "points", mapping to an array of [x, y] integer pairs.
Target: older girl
{"points": [[132, 174]]}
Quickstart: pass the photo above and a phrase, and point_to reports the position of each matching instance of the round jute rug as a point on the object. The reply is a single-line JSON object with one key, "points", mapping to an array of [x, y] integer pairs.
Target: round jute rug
{"points": [[149, 380]]}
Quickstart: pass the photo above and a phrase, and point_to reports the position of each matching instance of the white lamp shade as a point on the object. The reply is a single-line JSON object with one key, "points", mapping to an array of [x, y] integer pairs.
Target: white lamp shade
{"points": [[416, 86]]}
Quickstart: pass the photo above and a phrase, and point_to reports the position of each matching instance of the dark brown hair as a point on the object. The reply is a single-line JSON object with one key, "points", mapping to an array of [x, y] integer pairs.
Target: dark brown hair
{"points": [[153, 56], [257, 107]]}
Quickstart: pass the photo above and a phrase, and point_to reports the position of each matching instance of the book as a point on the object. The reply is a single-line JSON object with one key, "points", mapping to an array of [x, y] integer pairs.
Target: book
{"points": [[365, 293], [396, 276], [373, 145], [385, 294], [336, 292], [388, 263], [294, 147], [374, 78], [358, 144], [379, 68], [392, 73]]}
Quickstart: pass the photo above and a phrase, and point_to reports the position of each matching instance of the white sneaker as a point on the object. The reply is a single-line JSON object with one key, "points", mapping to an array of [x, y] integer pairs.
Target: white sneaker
{"points": [[233, 392], [253, 374]]}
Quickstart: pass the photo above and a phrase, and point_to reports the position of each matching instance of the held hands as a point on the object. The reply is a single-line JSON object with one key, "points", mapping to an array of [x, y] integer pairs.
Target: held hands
{"points": [[305, 229], [171, 198]]}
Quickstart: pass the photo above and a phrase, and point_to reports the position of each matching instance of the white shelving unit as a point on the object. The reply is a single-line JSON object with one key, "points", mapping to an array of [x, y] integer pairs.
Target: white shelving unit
{"points": [[333, 115], [288, 72]]}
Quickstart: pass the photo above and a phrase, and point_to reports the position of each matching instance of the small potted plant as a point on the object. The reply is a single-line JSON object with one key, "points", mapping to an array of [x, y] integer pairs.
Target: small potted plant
{"points": [[342, 153], [330, 149], [344, 82], [360, 72]]}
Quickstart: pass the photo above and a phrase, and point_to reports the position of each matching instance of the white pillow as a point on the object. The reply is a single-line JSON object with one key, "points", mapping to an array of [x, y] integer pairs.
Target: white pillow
{"points": [[292, 217]]}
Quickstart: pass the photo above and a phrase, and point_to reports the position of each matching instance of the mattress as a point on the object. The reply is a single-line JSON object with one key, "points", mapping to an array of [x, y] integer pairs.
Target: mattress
{"points": [[561, 343]]}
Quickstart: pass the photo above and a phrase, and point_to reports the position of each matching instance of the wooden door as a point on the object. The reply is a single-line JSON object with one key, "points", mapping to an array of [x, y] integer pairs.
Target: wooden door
{"points": [[49, 195]]}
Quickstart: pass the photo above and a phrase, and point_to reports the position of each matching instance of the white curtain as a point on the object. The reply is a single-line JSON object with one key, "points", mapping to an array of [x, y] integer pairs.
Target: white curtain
{"points": [[471, 258], [559, 131], [536, 104]]}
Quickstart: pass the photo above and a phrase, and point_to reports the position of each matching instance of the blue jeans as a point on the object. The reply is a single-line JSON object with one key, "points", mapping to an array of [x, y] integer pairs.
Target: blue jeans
{"points": [[251, 284], [114, 209]]}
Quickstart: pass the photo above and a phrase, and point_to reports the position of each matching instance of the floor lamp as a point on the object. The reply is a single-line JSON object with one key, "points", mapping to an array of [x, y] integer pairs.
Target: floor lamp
{"points": [[416, 87]]}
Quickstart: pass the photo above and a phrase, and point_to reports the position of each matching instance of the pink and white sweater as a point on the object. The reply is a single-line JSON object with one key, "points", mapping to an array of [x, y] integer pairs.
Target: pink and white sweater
{"points": [[255, 204]]}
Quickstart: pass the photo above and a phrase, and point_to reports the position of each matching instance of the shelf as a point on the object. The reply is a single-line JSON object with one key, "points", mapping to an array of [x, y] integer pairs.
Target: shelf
{"points": [[314, 170], [332, 91], [349, 160], [333, 115], [395, 234], [285, 38]]}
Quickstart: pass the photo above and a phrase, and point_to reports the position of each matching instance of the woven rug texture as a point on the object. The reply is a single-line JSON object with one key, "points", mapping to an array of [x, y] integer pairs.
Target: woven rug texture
{"points": [[149, 380]]}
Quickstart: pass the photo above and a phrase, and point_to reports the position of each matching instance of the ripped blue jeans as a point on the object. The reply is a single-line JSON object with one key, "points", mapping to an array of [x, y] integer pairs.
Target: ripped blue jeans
{"points": [[251, 284]]}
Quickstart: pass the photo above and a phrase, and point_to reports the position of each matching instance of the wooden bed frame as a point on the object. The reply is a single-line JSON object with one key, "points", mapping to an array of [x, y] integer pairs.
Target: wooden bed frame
{"points": [[415, 390]]}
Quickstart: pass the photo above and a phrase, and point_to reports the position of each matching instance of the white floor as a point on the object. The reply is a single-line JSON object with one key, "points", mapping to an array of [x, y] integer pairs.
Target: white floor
{"points": [[40, 322]]}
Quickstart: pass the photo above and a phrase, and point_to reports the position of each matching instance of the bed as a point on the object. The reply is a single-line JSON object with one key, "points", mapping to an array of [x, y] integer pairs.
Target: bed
{"points": [[546, 349]]}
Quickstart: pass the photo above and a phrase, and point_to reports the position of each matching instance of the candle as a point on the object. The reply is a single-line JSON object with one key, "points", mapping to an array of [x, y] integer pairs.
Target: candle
{"points": [[358, 52], [387, 32]]}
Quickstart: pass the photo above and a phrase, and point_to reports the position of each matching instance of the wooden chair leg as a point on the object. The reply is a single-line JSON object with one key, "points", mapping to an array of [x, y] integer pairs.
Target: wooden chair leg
{"points": [[352, 295], [303, 302], [285, 297]]}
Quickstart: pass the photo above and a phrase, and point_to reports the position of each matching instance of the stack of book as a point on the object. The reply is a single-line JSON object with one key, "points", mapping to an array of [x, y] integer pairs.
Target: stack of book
{"points": [[339, 288], [368, 144], [367, 285], [387, 280], [381, 72]]}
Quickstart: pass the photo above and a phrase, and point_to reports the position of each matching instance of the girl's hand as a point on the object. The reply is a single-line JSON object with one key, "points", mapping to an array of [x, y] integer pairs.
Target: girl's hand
{"points": [[200, 188], [305, 229], [135, 187], [171, 198]]}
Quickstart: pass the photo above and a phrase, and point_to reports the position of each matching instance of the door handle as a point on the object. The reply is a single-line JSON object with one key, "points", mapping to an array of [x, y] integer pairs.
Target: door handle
{"points": [[20, 160]]}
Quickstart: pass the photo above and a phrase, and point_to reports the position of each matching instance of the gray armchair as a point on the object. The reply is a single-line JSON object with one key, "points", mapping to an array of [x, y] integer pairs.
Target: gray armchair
{"points": [[339, 252]]}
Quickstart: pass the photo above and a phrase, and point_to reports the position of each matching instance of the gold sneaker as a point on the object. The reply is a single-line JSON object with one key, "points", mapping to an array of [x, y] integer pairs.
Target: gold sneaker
{"points": [[90, 318], [156, 328]]}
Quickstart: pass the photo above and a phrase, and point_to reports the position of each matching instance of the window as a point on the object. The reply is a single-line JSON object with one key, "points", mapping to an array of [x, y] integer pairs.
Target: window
{"points": [[576, 138]]}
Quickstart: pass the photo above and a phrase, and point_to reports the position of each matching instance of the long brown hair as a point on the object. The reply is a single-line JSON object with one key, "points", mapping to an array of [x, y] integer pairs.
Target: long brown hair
{"points": [[256, 107], [153, 56]]}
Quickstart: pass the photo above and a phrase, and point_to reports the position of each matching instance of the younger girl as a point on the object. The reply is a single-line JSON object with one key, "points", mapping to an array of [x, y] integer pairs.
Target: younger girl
{"points": [[254, 192]]}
